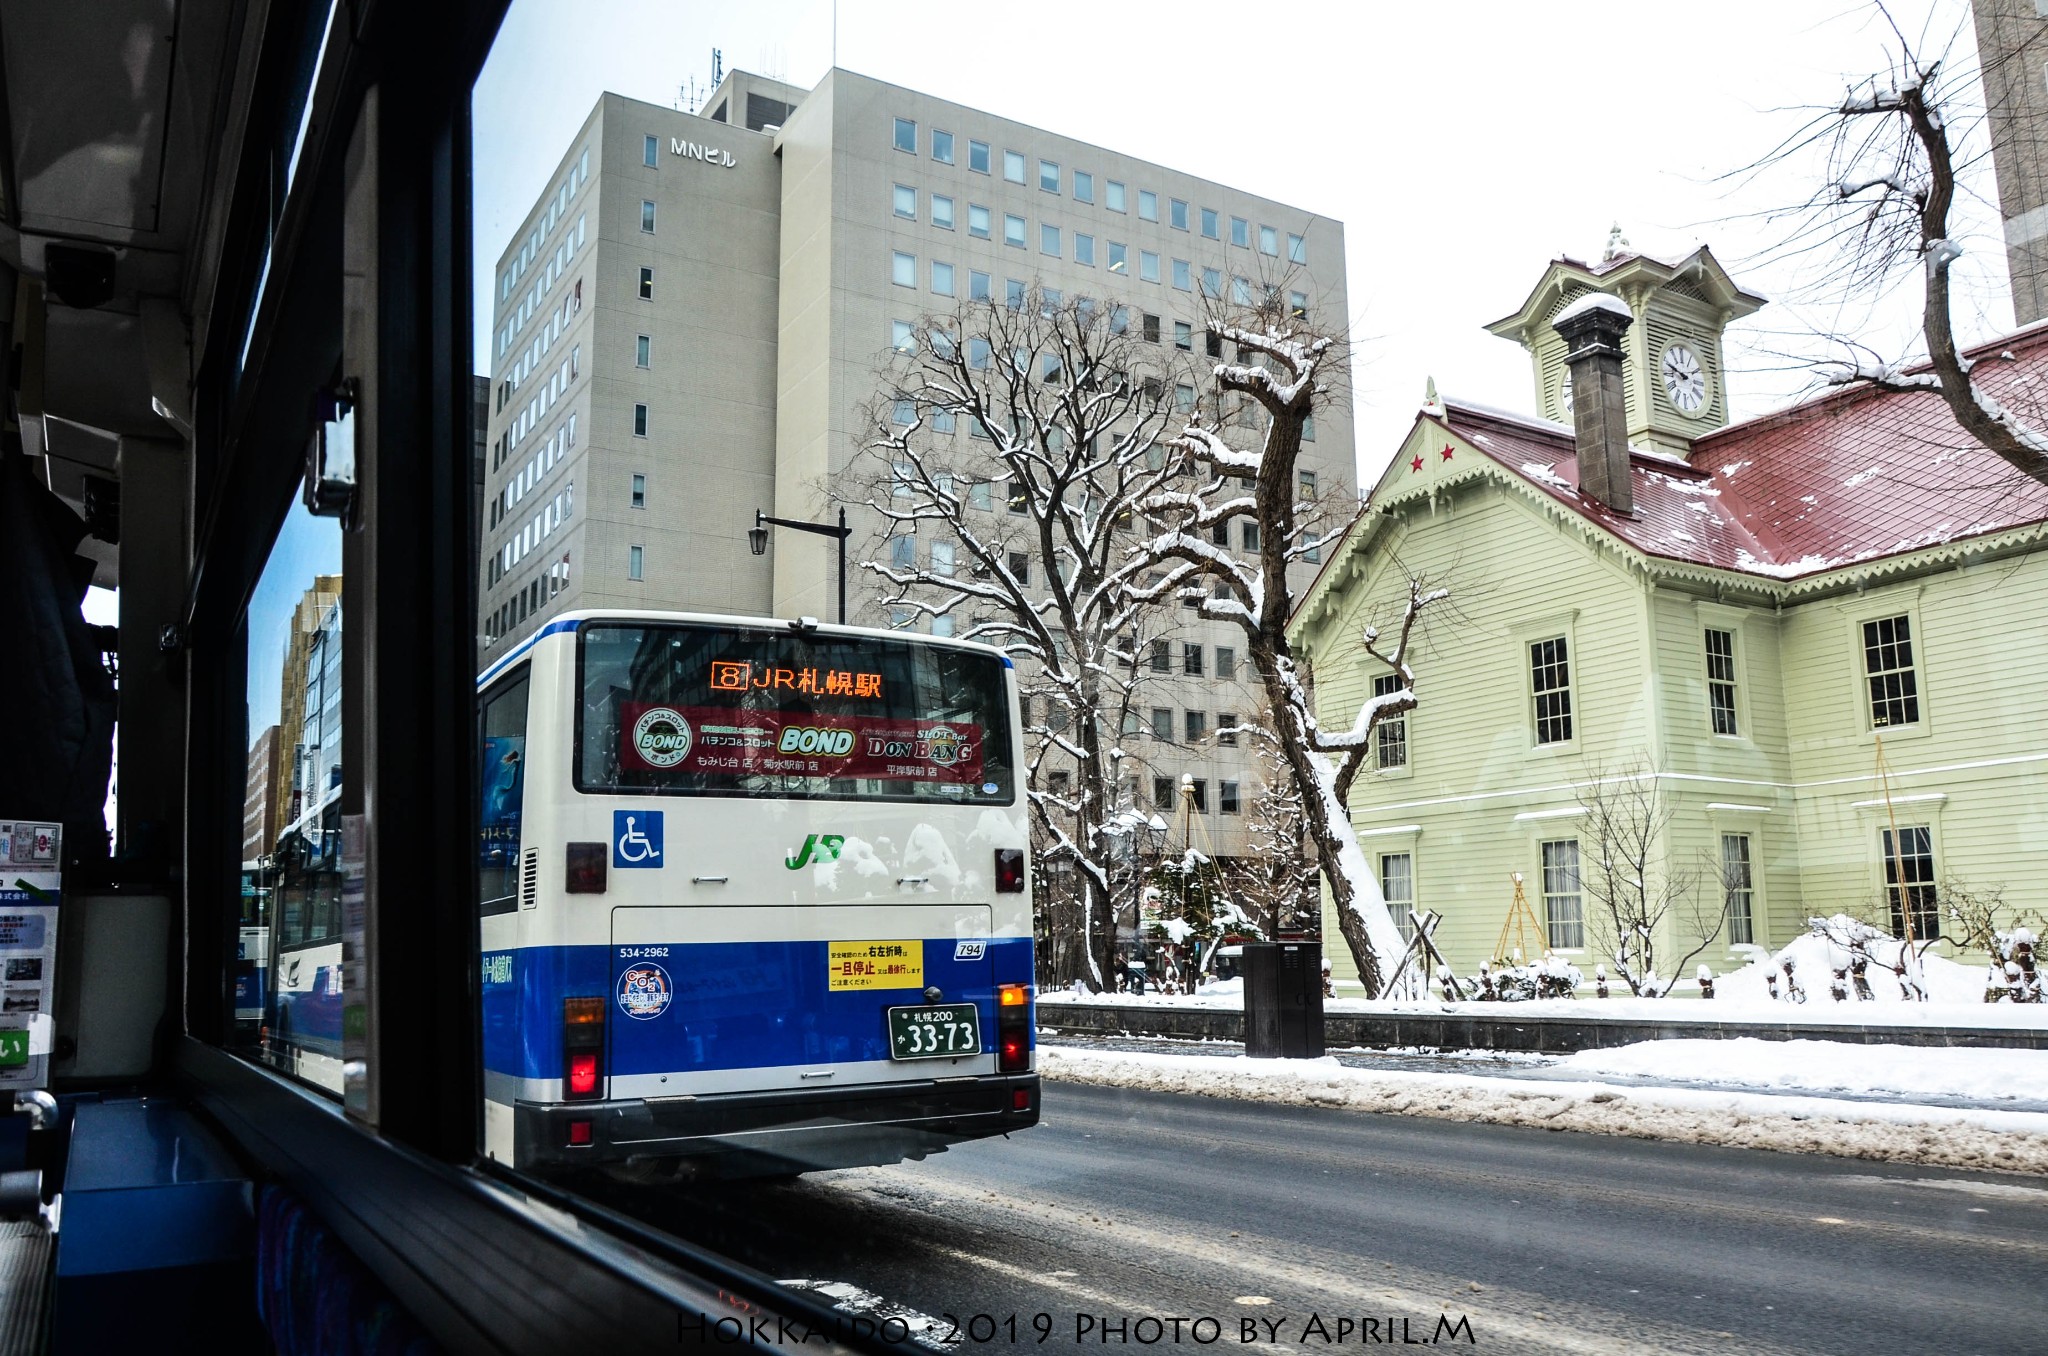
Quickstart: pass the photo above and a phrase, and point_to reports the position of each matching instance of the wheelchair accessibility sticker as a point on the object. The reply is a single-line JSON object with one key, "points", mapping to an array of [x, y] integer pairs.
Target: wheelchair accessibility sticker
{"points": [[636, 838], [645, 991]]}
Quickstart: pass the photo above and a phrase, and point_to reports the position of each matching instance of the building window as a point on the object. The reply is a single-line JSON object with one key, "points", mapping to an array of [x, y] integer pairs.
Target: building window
{"points": [[942, 558], [1049, 239], [1119, 258], [1297, 305], [1183, 334], [1161, 657], [1048, 176], [639, 421], [977, 156], [1113, 198], [1013, 166], [647, 284], [978, 284], [942, 146], [903, 553], [1013, 230], [1162, 792], [1212, 288], [1209, 223], [1251, 536], [1084, 186], [1240, 232], [1162, 723], [636, 560], [1084, 249], [650, 152], [1888, 663], [1551, 678], [906, 135], [1226, 796], [1183, 277], [977, 221], [1183, 399], [639, 492], [1308, 428], [1191, 660], [1020, 568], [942, 278], [643, 351], [906, 202], [1390, 736], [942, 212], [1226, 662], [1721, 680], [1013, 293], [903, 336], [1297, 249], [904, 414], [1148, 266], [1197, 726], [1738, 889], [1148, 326], [1177, 214], [1397, 887], [1909, 881], [1148, 205], [1564, 913], [903, 269], [1241, 291], [1226, 730], [1269, 241], [1201, 790], [647, 217]]}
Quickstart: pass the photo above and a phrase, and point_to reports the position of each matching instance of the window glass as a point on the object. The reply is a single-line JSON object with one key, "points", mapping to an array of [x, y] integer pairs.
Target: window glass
{"points": [[906, 135], [639, 491], [1084, 249], [642, 685], [1177, 214], [1738, 888], [1269, 240], [1148, 266], [1888, 669], [1118, 262], [1551, 681], [1049, 240], [1013, 230], [650, 152], [1240, 232], [1397, 885], [942, 278], [1048, 176], [1297, 249], [903, 336], [1209, 227], [942, 146], [977, 221], [1113, 196], [1564, 915], [903, 269], [647, 284], [977, 285], [1013, 166], [1721, 681], [1084, 186], [1148, 205], [906, 201], [942, 212], [643, 348], [1390, 743], [288, 978], [1181, 276], [977, 156], [647, 217]]}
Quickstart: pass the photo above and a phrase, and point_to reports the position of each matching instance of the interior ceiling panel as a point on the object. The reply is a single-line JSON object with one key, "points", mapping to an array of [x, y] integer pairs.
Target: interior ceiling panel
{"points": [[88, 93], [96, 371]]}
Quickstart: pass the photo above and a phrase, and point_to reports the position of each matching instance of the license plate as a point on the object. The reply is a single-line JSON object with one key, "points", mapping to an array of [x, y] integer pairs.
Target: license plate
{"points": [[948, 1031]]}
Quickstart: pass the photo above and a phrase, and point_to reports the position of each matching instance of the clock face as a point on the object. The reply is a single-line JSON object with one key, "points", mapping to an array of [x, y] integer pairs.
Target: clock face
{"points": [[1685, 381], [1564, 392]]}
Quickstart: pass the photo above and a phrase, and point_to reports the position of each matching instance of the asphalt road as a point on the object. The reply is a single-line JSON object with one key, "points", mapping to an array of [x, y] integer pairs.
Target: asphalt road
{"points": [[1125, 1206]]}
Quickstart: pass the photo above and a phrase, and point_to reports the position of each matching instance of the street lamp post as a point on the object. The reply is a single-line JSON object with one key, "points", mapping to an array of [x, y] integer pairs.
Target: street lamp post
{"points": [[757, 540]]}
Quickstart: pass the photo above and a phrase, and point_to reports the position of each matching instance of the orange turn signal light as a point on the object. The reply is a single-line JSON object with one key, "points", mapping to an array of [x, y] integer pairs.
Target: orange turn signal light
{"points": [[1012, 995]]}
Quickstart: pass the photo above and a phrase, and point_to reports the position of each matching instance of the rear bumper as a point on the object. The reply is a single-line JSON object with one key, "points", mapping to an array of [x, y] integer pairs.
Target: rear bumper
{"points": [[806, 1129]]}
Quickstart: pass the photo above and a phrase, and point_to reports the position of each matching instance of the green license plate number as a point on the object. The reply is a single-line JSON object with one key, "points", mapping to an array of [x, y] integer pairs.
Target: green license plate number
{"points": [[947, 1031]]}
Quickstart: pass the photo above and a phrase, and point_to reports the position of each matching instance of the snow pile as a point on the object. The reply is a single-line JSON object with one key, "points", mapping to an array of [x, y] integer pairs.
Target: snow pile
{"points": [[2009, 1141], [1828, 1066], [1815, 959]]}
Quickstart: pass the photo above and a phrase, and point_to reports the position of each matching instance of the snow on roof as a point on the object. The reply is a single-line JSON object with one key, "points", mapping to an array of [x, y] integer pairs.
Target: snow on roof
{"points": [[1857, 475], [1593, 301]]}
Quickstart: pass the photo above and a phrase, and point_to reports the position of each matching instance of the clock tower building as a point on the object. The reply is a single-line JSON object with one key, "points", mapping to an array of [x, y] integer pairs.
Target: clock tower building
{"points": [[1672, 372]]}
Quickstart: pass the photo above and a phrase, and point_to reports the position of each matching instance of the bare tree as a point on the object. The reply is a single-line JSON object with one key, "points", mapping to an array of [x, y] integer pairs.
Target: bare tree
{"points": [[1640, 896], [1277, 876], [1284, 366], [1891, 185], [1021, 441]]}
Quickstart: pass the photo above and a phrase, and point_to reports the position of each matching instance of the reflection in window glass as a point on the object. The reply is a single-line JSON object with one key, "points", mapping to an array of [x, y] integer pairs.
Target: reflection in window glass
{"points": [[288, 975]]}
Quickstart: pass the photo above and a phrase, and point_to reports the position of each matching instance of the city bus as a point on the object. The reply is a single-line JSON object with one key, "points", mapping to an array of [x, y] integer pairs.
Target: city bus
{"points": [[754, 896]]}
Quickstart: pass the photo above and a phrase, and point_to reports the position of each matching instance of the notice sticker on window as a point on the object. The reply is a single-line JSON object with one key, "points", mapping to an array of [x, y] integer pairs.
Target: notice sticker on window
{"points": [[875, 965]]}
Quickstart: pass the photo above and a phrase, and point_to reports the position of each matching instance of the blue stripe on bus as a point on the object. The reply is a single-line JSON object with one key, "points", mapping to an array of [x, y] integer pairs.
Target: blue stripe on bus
{"points": [[552, 628], [734, 1005]]}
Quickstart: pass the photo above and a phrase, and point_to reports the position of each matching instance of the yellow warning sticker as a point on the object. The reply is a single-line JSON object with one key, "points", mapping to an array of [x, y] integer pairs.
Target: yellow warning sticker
{"points": [[876, 965]]}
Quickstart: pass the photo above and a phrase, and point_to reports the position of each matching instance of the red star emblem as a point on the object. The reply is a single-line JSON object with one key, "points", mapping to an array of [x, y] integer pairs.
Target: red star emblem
{"points": [[1447, 452], [1416, 465]]}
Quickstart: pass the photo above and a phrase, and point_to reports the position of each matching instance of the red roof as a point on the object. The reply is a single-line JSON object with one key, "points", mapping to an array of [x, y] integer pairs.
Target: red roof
{"points": [[1854, 475]]}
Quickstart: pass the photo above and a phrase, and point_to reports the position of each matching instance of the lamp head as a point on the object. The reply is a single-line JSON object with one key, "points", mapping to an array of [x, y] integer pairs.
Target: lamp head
{"points": [[757, 535]]}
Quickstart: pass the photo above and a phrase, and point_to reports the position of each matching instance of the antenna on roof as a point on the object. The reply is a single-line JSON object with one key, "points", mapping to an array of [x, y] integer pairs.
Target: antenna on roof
{"points": [[717, 67]]}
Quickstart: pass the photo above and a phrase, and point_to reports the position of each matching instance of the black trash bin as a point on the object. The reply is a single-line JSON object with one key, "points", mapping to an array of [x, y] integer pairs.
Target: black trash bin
{"points": [[1283, 1000]]}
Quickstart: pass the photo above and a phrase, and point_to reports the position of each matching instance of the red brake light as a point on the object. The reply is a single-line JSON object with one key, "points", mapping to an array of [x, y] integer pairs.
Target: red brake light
{"points": [[583, 1048], [1009, 871], [586, 868], [579, 1132], [583, 1074], [1020, 1099]]}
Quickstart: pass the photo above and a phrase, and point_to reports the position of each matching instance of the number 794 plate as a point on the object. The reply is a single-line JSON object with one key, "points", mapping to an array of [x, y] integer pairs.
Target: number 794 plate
{"points": [[947, 1031]]}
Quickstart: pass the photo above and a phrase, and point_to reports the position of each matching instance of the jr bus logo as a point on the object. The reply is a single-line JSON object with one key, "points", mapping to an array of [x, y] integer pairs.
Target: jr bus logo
{"points": [[822, 847]]}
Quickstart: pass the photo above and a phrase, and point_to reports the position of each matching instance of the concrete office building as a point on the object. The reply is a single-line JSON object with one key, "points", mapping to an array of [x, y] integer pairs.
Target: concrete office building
{"points": [[2012, 54], [690, 323]]}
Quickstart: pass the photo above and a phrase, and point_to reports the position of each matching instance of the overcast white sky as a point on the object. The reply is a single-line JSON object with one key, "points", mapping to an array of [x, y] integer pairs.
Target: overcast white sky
{"points": [[1462, 146]]}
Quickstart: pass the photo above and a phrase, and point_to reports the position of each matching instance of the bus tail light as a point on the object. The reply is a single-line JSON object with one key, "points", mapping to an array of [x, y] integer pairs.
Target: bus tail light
{"points": [[582, 1049], [1009, 871], [1013, 1028], [586, 862]]}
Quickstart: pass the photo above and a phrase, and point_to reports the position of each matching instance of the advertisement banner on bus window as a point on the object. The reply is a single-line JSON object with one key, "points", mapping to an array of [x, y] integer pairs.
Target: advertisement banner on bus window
{"points": [[657, 738]]}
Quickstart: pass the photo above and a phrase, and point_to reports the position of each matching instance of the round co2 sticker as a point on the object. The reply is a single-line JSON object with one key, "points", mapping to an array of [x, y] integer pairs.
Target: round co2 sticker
{"points": [[661, 736], [645, 991], [989, 788]]}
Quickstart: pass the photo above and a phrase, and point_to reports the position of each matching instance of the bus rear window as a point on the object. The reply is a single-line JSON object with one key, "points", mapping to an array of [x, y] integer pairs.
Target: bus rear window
{"points": [[724, 711]]}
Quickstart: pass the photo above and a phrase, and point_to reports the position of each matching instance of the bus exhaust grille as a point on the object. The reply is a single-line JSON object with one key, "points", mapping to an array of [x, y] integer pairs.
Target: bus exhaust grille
{"points": [[529, 878]]}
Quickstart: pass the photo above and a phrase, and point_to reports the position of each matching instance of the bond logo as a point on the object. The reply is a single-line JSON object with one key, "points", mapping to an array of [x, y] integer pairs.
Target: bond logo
{"points": [[661, 736], [809, 739]]}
